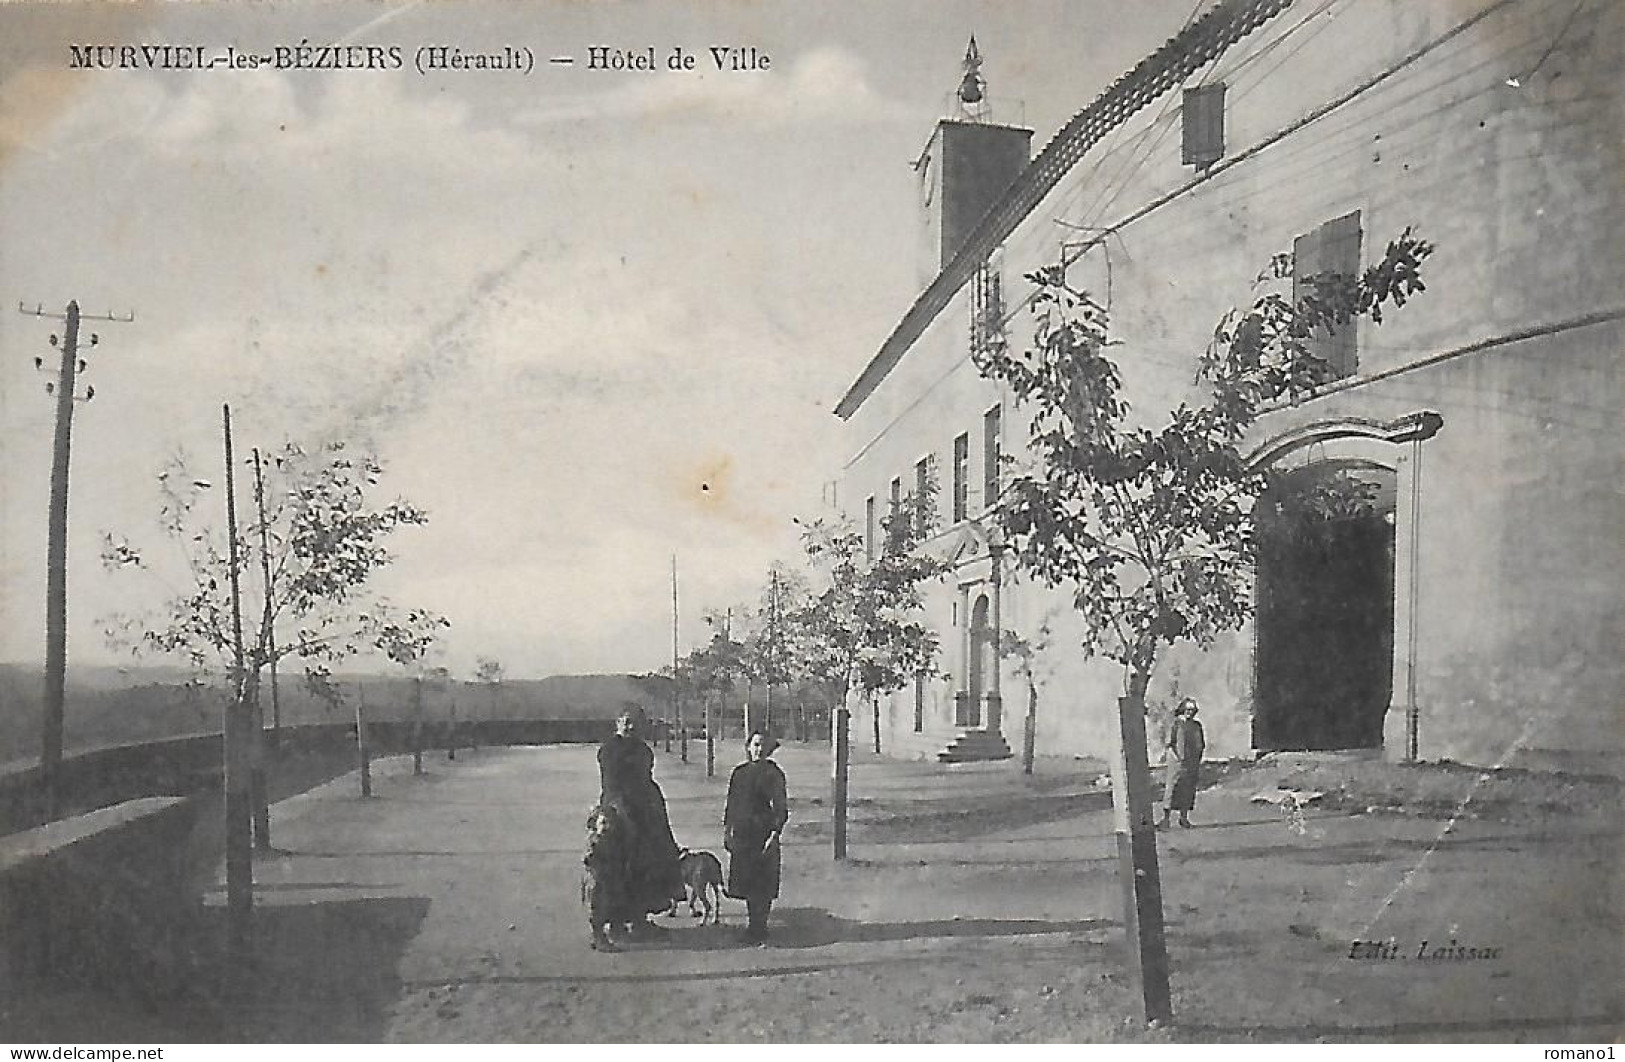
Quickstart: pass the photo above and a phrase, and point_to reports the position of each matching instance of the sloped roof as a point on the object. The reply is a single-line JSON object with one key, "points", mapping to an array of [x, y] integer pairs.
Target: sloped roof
{"points": [[1198, 44]]}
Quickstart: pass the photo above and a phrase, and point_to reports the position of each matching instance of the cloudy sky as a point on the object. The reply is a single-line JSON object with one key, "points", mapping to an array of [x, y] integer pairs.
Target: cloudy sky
{"points": [[556, 304]]}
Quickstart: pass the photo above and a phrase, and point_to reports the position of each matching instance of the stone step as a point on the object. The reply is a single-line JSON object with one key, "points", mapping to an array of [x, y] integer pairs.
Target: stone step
{"points": [[975, 746]]}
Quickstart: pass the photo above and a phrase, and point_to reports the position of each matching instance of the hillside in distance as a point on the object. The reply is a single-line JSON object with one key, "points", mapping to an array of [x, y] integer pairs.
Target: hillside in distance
{"points": [[112, 705]]}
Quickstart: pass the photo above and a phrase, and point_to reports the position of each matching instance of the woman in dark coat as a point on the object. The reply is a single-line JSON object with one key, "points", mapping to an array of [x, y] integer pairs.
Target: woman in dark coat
{"points": [[758, 806], [1185, 747], [650, 876]]}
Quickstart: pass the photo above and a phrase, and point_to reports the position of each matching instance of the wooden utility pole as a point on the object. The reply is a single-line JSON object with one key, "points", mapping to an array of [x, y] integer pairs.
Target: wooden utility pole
{"points": [[676, 691], [56, 553], [772, 647], [238, 748]]}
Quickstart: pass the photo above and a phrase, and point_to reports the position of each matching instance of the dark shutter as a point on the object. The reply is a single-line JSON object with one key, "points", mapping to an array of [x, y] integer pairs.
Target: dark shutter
{"points": [[922, 479], [961, 477], [990, 458], [1203, 112], [1340, 254]]}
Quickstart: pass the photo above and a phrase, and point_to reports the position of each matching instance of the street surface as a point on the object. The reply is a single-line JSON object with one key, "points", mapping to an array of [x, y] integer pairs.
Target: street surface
{"points": [[979, 906]]}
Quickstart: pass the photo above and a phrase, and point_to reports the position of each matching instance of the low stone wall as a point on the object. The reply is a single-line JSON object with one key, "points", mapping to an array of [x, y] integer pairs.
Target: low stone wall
{"points": [[103, 899], [192, 764]]}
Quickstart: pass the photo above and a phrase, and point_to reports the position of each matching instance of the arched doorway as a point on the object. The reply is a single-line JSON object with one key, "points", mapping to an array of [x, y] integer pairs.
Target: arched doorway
{"points": [[979, 664], [1324, 660]]}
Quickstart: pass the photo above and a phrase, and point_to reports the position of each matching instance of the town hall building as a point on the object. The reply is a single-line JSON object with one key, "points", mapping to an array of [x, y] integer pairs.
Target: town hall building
{"points": [[1470, 611]]}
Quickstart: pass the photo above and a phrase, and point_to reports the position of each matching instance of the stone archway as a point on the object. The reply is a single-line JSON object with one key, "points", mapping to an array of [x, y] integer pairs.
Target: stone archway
{"points": [[1324, 625], [1335, 633]]}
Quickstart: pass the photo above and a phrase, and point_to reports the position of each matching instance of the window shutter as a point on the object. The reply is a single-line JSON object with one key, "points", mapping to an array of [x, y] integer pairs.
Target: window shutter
{"points": [[922, 480], [1202, 109], [1340, 253], [990, 457], [1333, 248], [1306, 256], [961, 477]]}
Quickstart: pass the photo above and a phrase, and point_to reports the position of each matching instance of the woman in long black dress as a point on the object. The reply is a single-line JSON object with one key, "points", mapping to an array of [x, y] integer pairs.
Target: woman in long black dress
{"points": [[758, 805], [1186, 745], [650, 875]]}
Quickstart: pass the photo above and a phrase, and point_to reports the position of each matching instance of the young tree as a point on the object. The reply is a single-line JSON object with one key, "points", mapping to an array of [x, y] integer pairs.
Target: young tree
{"points": [[1152, 529], [1027, 653], [863, 631], [489, 673], [764, 633], [705, 676], [323, 542]]}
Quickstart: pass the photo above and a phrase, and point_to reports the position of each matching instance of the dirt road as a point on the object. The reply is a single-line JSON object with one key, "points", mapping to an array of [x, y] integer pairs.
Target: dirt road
{"points": [[979, 906]]}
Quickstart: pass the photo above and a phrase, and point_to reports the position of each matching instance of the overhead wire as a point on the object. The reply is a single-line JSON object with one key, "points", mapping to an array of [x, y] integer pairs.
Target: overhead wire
{"points": [[1383, 83]]}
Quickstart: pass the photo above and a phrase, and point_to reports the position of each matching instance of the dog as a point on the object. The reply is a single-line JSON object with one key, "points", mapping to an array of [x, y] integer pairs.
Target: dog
{"points": [[603, 868], [702, 886]]}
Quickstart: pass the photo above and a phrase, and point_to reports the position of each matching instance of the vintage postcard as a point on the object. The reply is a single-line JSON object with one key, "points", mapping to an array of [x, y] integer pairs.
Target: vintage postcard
{"points": [[754, 521]]}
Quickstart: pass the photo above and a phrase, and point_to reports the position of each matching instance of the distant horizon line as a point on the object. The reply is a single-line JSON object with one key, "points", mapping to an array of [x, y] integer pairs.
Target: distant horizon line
{"points": [[154, 666]]}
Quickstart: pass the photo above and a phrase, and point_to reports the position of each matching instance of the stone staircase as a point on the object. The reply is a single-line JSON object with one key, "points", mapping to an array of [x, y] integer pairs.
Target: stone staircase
{"points": [[975, 746]]}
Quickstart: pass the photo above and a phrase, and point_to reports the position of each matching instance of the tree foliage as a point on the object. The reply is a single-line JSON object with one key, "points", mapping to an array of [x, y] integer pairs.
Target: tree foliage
{"points": [[324, 542], [1152, 528], [863, 628]]}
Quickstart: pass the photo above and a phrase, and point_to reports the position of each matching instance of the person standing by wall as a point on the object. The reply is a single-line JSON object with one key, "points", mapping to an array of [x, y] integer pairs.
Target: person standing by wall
{"points": [[758, 805], [1185, 747]]}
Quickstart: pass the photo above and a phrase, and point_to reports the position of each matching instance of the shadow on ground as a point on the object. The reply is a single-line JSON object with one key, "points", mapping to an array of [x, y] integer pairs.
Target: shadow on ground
{"points": [[947, 818], [1607, 1026], [814, 927], [320, 973]]}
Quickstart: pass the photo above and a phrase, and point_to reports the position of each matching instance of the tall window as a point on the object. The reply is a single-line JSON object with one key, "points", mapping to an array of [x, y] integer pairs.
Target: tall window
{"points": [[1202, 112], [869, 528], [922, 494], [961, 477], [1332, 249], [990, 457], [894, 521]]}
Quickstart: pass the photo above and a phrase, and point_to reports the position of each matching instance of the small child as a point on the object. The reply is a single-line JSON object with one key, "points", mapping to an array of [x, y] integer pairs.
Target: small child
{"points": [[600, 881]]}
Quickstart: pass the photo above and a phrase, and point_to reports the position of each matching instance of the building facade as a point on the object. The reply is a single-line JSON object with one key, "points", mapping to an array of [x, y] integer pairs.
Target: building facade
{"points": [[1470, 610]]}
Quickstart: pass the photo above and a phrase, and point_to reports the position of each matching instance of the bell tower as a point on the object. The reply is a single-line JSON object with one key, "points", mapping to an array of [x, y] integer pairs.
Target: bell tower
{"points": [[968, 163]]}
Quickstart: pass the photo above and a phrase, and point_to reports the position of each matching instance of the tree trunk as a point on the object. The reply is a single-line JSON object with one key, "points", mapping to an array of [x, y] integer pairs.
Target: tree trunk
{"points": [[417, 726], [710, 741], [841, 764], [874, 705], [258, 790], [1135, 826], [361, 746], [1029, 729]]}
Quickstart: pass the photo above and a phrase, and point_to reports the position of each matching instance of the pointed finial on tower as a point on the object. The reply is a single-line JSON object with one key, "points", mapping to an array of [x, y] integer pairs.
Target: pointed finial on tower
{"points": [[972, 87]]}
